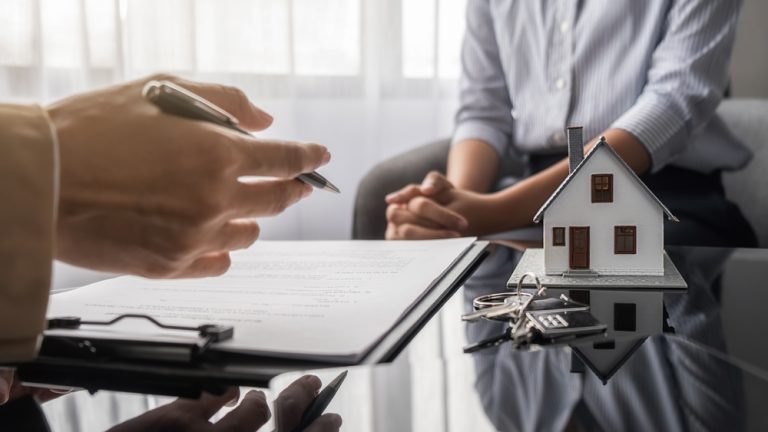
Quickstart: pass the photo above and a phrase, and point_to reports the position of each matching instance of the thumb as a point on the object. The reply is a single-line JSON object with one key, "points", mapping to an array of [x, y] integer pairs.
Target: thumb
{"points": [[434, 183]]}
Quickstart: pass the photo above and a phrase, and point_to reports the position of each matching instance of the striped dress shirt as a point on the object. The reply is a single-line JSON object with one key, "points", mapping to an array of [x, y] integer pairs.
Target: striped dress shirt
{"points": [[655, 68]]}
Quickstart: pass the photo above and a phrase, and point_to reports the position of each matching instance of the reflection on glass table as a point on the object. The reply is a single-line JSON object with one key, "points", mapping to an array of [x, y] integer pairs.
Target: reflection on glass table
{"points": [[669, 361]]}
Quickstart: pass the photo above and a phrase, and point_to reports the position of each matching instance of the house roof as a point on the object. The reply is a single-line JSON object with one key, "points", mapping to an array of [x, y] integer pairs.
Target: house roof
{"points": [[605, 376], [601, 145]]}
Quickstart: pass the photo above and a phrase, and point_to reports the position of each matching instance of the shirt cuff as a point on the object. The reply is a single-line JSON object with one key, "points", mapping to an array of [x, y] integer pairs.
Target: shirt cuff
{"points": [[56, 163], [480, 131], [27, 227], [659, 127]]}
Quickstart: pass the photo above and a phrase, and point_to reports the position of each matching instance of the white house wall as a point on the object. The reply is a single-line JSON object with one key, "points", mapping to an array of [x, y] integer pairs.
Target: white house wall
{"points": [[631, 206]]}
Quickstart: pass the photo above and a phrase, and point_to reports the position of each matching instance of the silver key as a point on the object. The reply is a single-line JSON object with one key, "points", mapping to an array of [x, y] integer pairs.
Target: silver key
{"points": [[509, 310], [514, 303]]}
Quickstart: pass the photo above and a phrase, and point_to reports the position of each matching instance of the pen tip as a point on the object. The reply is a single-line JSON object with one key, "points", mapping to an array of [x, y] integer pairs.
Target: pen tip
{"points": [[331, 188], [339, 379]]}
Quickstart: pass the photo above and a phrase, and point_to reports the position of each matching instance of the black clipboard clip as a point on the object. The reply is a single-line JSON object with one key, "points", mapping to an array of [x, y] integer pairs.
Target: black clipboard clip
{"points": [[174, 368], [208, 333]]}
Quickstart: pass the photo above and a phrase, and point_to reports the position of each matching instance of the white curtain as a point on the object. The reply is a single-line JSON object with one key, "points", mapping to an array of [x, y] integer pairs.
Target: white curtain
{"points": [[368, 78]]}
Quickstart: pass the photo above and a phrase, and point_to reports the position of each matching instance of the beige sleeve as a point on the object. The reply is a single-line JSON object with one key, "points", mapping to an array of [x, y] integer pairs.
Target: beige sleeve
{"points": [[27, 212]]}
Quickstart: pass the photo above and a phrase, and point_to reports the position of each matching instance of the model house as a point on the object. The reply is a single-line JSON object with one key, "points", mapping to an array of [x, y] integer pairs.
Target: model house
{"points": [[602, 220]]}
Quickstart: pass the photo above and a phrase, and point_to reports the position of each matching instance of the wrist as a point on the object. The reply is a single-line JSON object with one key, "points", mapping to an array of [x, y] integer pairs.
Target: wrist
{"points": [[499, 213], [485, 213], [56, 153]]}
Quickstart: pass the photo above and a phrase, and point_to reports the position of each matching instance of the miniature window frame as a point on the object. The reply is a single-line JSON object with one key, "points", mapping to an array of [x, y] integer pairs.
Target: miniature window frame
{"points": [[558, 236], [602, 188], [621, 234]]}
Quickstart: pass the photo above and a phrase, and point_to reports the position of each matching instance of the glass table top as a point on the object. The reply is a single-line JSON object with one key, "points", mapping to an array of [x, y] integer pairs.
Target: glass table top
{"points": [[693, 360]]}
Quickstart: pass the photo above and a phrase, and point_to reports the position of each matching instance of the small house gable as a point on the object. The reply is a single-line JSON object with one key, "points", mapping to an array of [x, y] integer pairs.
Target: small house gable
{"points": [[599, 181]]}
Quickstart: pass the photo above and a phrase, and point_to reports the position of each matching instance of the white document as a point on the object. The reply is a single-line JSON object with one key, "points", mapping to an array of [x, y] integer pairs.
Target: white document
{"points": [[303, 299]]}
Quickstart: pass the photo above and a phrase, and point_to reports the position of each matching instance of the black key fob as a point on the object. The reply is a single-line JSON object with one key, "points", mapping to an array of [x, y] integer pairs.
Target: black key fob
{"points": [[556, 304], [562, 324]]}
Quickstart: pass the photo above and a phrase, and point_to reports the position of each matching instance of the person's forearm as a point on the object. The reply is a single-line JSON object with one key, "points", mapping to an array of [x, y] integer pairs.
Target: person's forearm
{"points": [[473, 165], [519, 203]]}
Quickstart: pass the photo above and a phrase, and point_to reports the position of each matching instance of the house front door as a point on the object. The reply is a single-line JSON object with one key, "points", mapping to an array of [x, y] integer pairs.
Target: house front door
{"points": [[579, 248]]}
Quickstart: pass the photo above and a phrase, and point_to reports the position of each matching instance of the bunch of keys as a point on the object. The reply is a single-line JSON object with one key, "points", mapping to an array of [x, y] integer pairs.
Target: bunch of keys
{"points": [[509, 307], [531, 315], [506, 306]]}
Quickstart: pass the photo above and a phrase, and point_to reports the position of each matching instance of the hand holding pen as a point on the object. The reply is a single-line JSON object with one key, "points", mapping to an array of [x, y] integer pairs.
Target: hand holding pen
{"points": [[146, 193], [251, 413], [289, 419], [174, 99]]}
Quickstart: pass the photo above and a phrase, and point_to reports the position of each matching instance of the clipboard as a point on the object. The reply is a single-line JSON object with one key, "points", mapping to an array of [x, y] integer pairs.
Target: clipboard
{"points": [[179, 370]]}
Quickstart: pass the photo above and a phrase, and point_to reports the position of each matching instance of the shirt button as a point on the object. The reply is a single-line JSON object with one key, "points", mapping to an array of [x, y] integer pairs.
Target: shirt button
{"points": [[564, 27], [560, 83]]}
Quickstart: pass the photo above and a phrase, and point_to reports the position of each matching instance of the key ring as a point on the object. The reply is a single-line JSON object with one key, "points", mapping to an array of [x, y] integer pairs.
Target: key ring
{"points": [[497, 299], [539, 289], [508, 301], [518, 300]]}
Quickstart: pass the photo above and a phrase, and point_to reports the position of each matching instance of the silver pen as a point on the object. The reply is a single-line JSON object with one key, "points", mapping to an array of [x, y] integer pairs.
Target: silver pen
{"points": [[176, 100]]}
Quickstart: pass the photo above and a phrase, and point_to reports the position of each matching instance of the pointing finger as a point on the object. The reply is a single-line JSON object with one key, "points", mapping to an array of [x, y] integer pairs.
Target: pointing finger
{"points": [[268, 197], [291, 403], [275, 158], [250, 415], [325, 423]]}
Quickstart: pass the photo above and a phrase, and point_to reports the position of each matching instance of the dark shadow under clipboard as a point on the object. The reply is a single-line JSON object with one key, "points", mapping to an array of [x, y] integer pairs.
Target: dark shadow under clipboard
{"points": [[185, 371]]}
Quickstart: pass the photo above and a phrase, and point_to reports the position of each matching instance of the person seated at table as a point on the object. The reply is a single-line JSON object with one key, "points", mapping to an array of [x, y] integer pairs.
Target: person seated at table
{"points": [[647, 76], [105, 180]]}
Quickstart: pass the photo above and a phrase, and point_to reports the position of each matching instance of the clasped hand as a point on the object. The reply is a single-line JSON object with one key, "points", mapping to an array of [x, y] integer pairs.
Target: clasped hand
{"points": [[435, 209]]}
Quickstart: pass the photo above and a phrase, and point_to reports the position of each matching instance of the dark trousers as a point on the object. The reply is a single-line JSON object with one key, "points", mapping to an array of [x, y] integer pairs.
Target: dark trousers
{"points": [[707, 218]]}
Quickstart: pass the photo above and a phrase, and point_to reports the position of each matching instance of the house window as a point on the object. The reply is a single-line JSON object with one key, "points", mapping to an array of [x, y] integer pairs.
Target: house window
{"points": [[558, 236], [625, 239], [609, 345], [602, 188], [624, 317]]}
